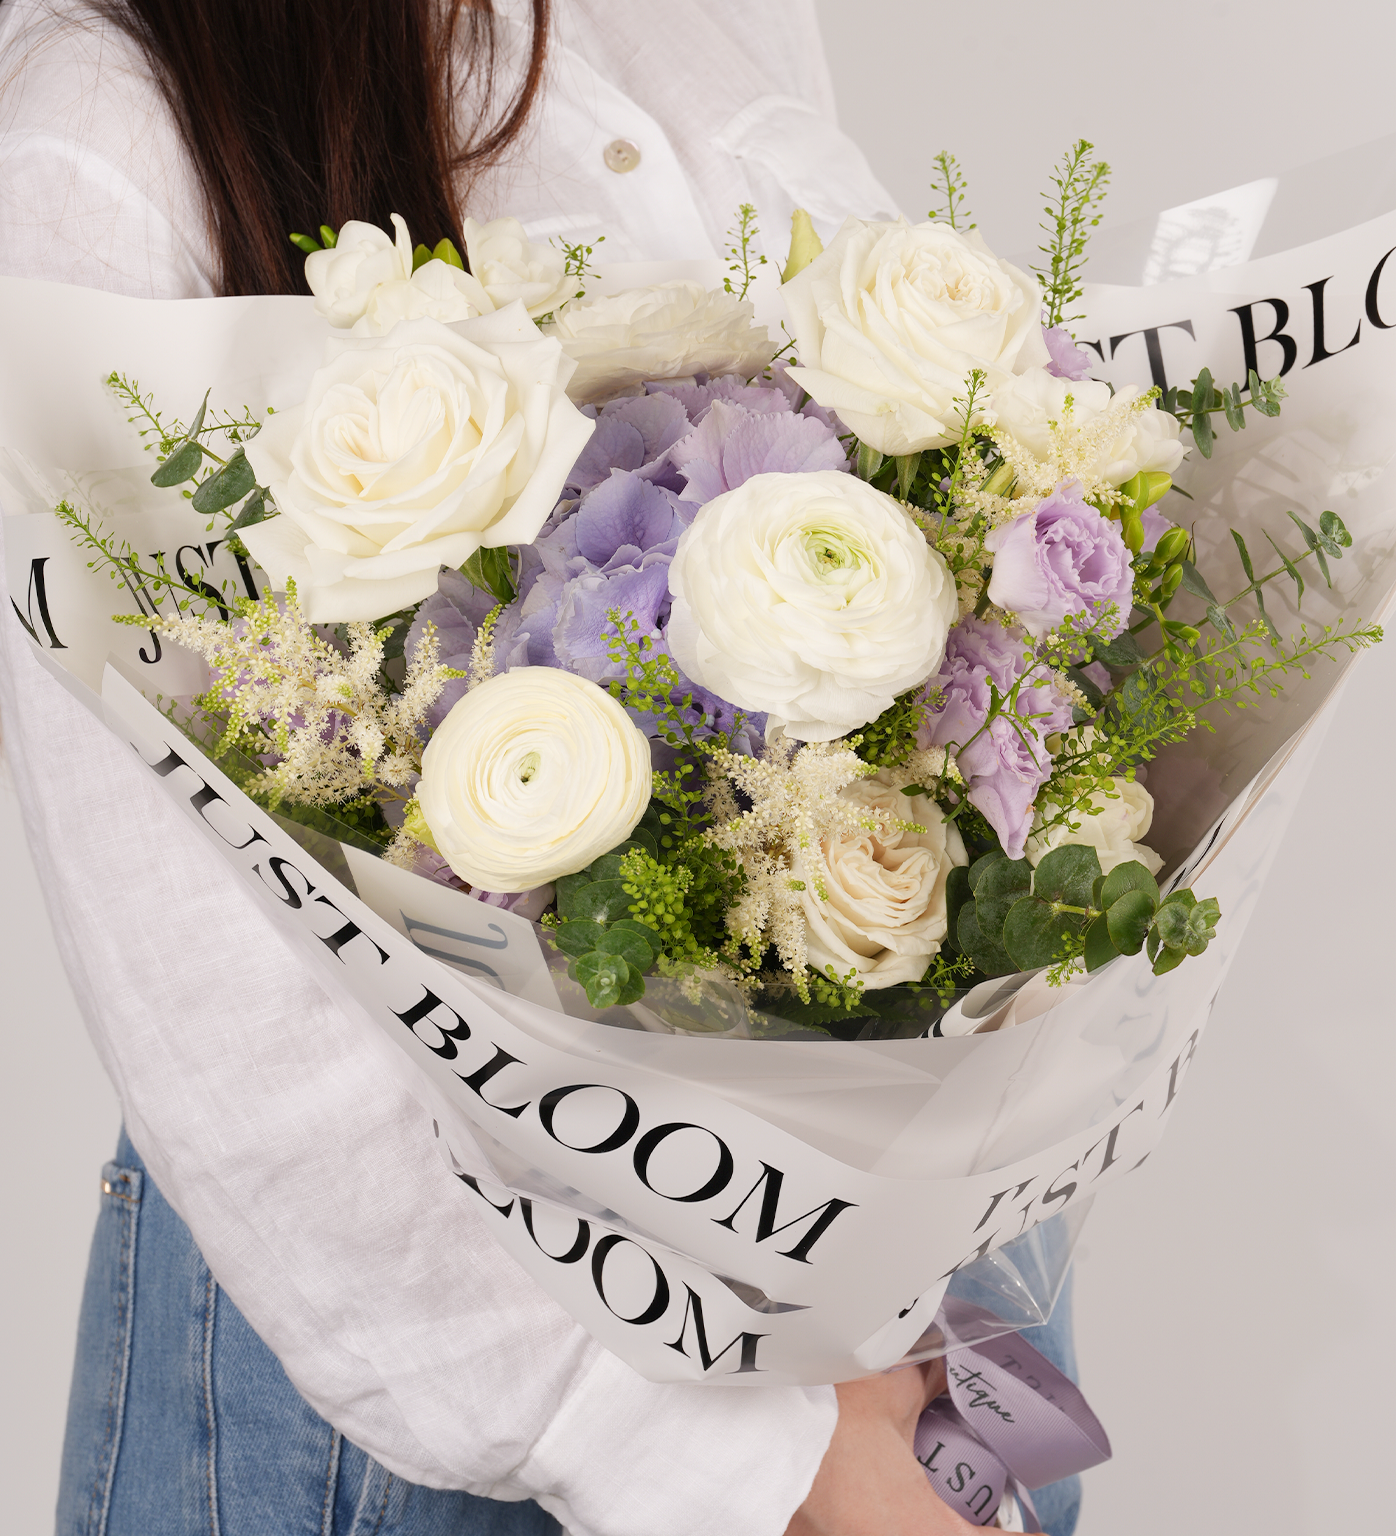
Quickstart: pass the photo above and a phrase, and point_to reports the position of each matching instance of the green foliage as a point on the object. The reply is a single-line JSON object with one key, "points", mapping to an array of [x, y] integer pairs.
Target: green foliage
{"points": [[608, 951], [308, 243], [740, 262], [146, 583], [492, 571], [948, 186], [1074, 211], [182, 452], [578, 263], [1015, 918], [1195, 407], [890, 739]]}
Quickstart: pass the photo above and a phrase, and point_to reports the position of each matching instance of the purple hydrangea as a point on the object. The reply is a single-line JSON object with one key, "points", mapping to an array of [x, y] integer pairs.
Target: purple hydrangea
{"points": [[1062, 559], [733, 443], [1005, 764], [1068, 360]]}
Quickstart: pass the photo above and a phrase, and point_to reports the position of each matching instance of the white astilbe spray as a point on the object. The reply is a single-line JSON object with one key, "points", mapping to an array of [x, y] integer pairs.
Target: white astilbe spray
{"points": [[337, 732], [1075, 451], [795, 804]]}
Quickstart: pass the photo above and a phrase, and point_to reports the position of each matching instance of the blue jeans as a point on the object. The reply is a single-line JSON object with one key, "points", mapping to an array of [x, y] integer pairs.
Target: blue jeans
{"points": [[182, 1422]]}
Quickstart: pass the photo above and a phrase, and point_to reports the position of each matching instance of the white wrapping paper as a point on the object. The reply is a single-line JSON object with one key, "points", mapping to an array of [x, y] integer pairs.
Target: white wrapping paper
{"points": [[730, 1209]]}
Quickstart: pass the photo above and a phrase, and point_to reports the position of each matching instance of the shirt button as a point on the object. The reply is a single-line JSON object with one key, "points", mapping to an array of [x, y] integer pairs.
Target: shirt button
{"points": [[621, 155]]}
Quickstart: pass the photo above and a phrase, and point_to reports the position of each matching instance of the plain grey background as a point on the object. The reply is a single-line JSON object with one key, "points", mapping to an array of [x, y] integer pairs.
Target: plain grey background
{"points": [[1242, 1380]]}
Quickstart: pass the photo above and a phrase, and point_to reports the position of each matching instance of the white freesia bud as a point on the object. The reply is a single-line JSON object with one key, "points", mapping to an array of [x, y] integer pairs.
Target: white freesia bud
{"points": [[412, 451], [883, 913], [810, 597], [670, 331], [890, 319], [531, 776], [1123, 817], [365, 283], [509, 266], [1027, 407]]}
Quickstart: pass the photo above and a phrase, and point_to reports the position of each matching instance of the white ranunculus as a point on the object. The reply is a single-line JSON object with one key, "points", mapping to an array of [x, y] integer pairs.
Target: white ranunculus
{"points": [[1125, 815], [670, 331], [531, 776], [510, 267], [1147, 439], [883, 913], [810, 597], [412, 451], [890, 319]]}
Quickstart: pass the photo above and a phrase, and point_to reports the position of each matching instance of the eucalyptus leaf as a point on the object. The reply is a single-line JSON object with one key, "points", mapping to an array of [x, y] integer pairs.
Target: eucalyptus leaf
{"points": [[1292, 569], [1333, 532], [626, 942], [607, 867], [1219, 619], [1130, 876], [957, 893], [1315, 546], [1128, 920], [603, 901], [225, 486], [1100, 950], [1067, 874], [642, 931], [1169, 960], [991, 958], [254, 510], [198, 423], [609, 980], [976, 870], [1122, 651], [1034, 935], [1231, 404], [182, 465], [1193, 582], [1003, 883], [576, 938]]}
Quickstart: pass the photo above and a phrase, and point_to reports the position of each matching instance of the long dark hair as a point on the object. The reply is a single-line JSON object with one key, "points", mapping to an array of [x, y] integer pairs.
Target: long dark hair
{"points": [[302, 112]]}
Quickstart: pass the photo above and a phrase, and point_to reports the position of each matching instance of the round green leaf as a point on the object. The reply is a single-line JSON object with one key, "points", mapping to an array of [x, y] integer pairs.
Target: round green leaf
{"points": [[957, 893], [605, 978], [626, 942], [1034, 935], [603, 901], [1168, 960], [1127, 877], [577, 938], [1067, 874], [976, 870], [642, 931], [1128, 921], [1099, 950], [991, 958], [1003, 883], [229, 484], [181, 465]]}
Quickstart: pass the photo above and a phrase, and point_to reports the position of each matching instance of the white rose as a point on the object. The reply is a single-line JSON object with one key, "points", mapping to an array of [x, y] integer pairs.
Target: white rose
{"points": [[365, 283], [671, 331], [811, 597], [410, 452], [892, 317], [1026, 406], [1125, 815], [510, 267], [884, 909], [531, 776]]}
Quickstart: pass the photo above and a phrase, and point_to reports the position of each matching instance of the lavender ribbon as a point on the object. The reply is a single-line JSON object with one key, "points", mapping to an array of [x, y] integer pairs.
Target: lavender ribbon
{"points": [[1010, 1421]]}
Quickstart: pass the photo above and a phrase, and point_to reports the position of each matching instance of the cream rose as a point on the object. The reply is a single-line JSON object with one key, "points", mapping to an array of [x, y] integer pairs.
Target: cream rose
{"points": [[1147, 438], [892, 317], [531, 776], [365, 282], [810, 597], [410, 452], [883, 912], [671, 331], [510, 267], [1124, 816]]}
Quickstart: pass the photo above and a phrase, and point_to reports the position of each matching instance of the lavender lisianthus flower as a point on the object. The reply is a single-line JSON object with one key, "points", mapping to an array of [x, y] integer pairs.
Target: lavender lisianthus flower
{"points": [[1155, 526], [1004, 762], [1061, 559], [1068, 360]]}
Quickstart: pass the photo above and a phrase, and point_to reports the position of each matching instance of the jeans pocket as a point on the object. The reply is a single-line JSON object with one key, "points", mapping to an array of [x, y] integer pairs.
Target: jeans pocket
{"points": [[101, 1368]]}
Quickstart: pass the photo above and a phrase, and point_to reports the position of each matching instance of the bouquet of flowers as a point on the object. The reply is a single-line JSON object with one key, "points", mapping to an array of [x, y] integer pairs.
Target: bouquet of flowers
{"points": [[601, 663]]}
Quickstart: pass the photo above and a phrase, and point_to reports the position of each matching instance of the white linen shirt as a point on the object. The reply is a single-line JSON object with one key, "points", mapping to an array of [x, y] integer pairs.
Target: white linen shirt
{"points": [[307, 1176]]}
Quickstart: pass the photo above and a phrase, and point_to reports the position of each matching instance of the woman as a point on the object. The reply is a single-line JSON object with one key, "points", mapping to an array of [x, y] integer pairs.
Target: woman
{"points": [[164, 148]]}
